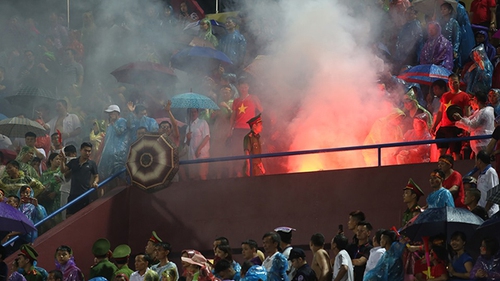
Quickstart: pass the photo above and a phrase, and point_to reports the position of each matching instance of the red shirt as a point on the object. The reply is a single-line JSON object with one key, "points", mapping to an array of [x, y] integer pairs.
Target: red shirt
{"points": [[461, 99], [456, 179], [438, 270], [481, 10], [245, 109]]}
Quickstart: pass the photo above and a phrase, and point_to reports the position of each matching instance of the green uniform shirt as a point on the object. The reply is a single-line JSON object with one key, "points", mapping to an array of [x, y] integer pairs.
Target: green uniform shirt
{"points": [[251, 143], [408, 214], [33, 275], [105, 269], [125, 270]]}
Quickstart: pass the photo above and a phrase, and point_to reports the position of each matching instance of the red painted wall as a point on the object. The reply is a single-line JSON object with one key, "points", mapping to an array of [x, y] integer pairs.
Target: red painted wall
{"points": [[192, 214]]}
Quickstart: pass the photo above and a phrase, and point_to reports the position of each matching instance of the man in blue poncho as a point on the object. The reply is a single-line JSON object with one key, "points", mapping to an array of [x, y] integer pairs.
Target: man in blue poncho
{"points": [[275, 263]]}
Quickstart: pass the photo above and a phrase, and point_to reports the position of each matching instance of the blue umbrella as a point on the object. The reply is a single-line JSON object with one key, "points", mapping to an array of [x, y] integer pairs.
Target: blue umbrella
{"points": [[193, 100], [446, 220], [199, 58], [425, 74], [2, 116], [11, 219]]}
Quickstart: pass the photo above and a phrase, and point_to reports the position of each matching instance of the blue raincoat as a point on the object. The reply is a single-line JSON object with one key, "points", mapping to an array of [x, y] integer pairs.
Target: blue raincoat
{"points": [[479, 75], [234, 46], [467, 40], [114, 153], [278, 269], [409, 43], [390, 266], [135, 123]]}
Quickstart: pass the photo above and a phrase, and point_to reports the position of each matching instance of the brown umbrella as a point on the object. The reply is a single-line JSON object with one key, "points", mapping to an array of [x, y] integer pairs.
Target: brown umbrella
{"points": [[152, 162]]}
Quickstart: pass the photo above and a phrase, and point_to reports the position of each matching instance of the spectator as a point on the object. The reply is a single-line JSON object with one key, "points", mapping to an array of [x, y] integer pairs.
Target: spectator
{"points": [[24, 159], [417, 153], [249, 252], [480, 123], [376, 252], [15, 178], [225, 270], [224, 252], [478, 76], [410, 40], [275, 263], [486, 266], [437, 49], [452, 179], [390, 265], [321, 260], [342, 267], [65, 262], [440, 196], [233, 44], [482, 12], [360, 252], [139, 118], [198, 142], [71, 79], [439, 87], [143, 272], [447, 128], [83, 176], [116, 145], [461, 263], [487, 180], [52, 179], [482, 38], [67, 124], [206, 32], [451, 31], [165, 267], [472, 197]]}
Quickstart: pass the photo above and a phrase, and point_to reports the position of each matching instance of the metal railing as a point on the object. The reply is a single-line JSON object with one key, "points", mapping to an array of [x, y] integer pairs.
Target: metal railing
{"points": [[379, 148], [60, 210]]}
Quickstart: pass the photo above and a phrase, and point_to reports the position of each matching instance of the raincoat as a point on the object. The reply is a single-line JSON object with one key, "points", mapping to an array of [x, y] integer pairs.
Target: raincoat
{"points": [[234, 46], [208, 35], [52, 185], [437, 50], [409, 43], [479, 75], [114, 153], [70, 271], [135, 123], [12, 186], [467, 40], [451, 31], [278, 269], [491, 52], [390, 266], [26, 167]]}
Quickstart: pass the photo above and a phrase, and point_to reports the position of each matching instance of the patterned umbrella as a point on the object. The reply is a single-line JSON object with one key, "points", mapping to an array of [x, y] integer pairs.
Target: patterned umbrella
{"points": [[17, 127], [193, 100], [425, 74], [11, 219], [199, 58], [446, 220], [152, 162]]}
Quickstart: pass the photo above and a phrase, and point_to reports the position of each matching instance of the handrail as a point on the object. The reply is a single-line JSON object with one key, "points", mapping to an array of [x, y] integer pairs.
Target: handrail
{"points": [[270, 155], [83, 195], [335, 149]]}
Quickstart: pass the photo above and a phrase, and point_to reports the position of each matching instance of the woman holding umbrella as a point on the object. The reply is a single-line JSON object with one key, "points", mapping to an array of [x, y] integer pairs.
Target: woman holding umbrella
{"points": [[487, 266]]}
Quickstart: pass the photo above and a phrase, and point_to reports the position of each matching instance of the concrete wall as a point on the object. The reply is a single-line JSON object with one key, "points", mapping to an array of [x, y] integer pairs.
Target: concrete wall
{"points": [[190, 215]]}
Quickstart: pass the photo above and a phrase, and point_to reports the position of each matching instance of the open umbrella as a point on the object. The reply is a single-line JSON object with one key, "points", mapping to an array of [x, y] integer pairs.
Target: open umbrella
{"points": [[489, 228], [29, 98], [493, 195], [446, 220], [425, 74], [193, 100], [17, 127], [152, 162], [11, 219], [199, 59], [429, 7], [144, 72]]}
